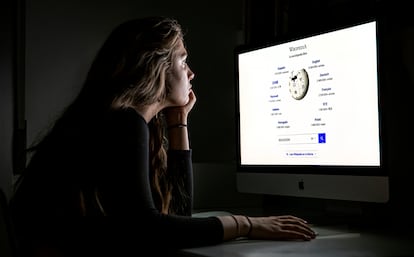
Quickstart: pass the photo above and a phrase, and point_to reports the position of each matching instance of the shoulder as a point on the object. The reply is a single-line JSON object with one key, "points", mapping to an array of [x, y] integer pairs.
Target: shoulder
{"points": [[128, 114], [127, 120], [123, 129]]}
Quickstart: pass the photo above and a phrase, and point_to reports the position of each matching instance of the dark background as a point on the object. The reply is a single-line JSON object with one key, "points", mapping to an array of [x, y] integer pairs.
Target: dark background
{"points": [[46, 48]]}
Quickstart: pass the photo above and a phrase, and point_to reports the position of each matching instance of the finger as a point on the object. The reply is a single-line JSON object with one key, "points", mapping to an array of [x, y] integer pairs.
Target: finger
{"points": [[289, 217], [305, 230], [304, 227], [294, 235], [292, 219], [295, 221]]}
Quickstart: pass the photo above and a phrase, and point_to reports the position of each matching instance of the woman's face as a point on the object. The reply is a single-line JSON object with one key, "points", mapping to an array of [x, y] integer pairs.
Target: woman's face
{"points": [[179, 78]]}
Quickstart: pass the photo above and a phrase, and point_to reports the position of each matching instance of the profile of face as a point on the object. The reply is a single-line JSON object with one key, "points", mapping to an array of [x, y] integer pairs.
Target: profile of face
{"points": [[179, 78]]}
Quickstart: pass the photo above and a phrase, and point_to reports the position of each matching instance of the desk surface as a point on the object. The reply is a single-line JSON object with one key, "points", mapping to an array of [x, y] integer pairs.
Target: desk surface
{"points": [[330, 242]]}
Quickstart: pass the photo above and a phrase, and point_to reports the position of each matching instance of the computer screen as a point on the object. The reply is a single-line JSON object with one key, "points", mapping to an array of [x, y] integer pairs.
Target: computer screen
{"points": [[308, 116]]}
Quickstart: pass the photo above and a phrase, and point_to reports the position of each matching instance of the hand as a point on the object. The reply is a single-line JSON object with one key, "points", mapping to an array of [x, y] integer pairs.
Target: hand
{"points": [[191, 101], [284, 227], [179, 114]]}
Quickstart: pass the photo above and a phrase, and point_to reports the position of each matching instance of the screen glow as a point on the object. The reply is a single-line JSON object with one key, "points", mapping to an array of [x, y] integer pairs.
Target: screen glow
{"points": [[311, 101]]}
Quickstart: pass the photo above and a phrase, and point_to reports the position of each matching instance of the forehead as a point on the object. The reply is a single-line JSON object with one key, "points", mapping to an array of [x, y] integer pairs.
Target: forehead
{"points": [[181, 50]]}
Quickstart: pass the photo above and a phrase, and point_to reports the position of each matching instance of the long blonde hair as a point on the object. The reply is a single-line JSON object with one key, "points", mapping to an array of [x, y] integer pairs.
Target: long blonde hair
{"points": [[143, 50]]}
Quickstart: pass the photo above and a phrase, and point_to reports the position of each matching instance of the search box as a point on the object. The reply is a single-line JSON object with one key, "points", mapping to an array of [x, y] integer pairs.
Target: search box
{"points": [[307, 138]]}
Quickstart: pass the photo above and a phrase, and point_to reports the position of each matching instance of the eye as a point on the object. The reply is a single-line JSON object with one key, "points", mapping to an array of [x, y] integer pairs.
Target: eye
{"points": [[184, 62]]}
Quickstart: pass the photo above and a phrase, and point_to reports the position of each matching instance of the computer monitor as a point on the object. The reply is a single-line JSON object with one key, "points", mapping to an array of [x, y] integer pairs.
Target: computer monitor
{"points": [[309, 120]]}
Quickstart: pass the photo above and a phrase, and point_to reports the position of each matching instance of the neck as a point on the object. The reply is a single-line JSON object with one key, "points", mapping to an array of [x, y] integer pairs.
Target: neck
{"points": [[148, 111]]}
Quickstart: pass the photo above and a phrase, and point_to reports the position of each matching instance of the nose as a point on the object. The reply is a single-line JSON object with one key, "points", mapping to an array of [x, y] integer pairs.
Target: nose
{"points": [[191, 74]]}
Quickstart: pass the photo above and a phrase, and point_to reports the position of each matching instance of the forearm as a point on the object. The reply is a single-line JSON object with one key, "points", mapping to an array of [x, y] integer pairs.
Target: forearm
{"points": [[178, 137], [177, 130], [179, 162]]}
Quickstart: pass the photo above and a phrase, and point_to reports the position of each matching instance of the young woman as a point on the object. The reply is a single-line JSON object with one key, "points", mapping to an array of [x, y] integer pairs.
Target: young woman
{"points": [[120, 153]]}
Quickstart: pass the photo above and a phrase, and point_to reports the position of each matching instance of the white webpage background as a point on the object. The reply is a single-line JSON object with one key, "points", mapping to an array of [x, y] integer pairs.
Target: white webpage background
{"points": [[341, 102]]}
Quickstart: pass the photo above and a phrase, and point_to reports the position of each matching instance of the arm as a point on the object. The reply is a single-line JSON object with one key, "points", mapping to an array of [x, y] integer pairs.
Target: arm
{"points": [[274, 227], [285, 227], [176, 118], [129, 194]]}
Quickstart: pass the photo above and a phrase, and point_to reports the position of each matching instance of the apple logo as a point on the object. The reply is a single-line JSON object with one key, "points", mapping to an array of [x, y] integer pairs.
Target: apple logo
{"points": [[301, 184]]}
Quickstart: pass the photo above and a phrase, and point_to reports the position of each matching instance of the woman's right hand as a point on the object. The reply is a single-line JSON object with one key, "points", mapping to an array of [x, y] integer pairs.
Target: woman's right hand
{"points": [[179, 114], [285, 227]]}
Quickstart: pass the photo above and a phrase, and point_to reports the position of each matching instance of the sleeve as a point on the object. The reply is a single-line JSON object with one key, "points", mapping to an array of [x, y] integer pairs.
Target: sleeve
{"points": [[117, 163], [133, 209], [180, 164]]}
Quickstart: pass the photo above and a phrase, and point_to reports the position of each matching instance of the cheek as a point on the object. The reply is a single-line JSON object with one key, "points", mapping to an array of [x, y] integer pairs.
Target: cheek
{"points": [[180, 98], [178, 95]]}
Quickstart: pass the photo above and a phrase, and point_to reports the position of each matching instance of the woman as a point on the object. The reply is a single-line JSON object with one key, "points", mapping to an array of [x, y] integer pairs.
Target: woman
{"points": [[121, 150]]}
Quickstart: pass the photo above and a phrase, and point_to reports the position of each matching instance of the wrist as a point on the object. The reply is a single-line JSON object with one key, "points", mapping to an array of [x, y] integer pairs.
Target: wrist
{"points": [[250, 224], [177, 125], [245, 226], [173, 116]]}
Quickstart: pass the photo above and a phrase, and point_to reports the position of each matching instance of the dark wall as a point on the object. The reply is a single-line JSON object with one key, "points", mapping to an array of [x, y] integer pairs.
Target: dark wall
{"points": [[6, 94], [62, 37]]}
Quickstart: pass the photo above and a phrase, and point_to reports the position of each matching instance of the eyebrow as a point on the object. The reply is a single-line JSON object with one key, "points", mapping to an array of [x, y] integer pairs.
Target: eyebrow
{"points": [[183, 53]]}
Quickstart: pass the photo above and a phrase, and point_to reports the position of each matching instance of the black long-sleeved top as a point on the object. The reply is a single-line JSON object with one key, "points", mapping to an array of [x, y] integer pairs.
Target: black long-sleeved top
{"points": [[110, 154]]}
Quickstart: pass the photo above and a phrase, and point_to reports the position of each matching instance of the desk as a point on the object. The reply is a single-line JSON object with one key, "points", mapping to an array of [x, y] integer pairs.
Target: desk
{"points": [[341, 244]]}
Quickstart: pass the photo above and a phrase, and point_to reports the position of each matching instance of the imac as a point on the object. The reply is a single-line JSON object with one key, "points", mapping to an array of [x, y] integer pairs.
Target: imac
{"points": [[309, 120]]}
